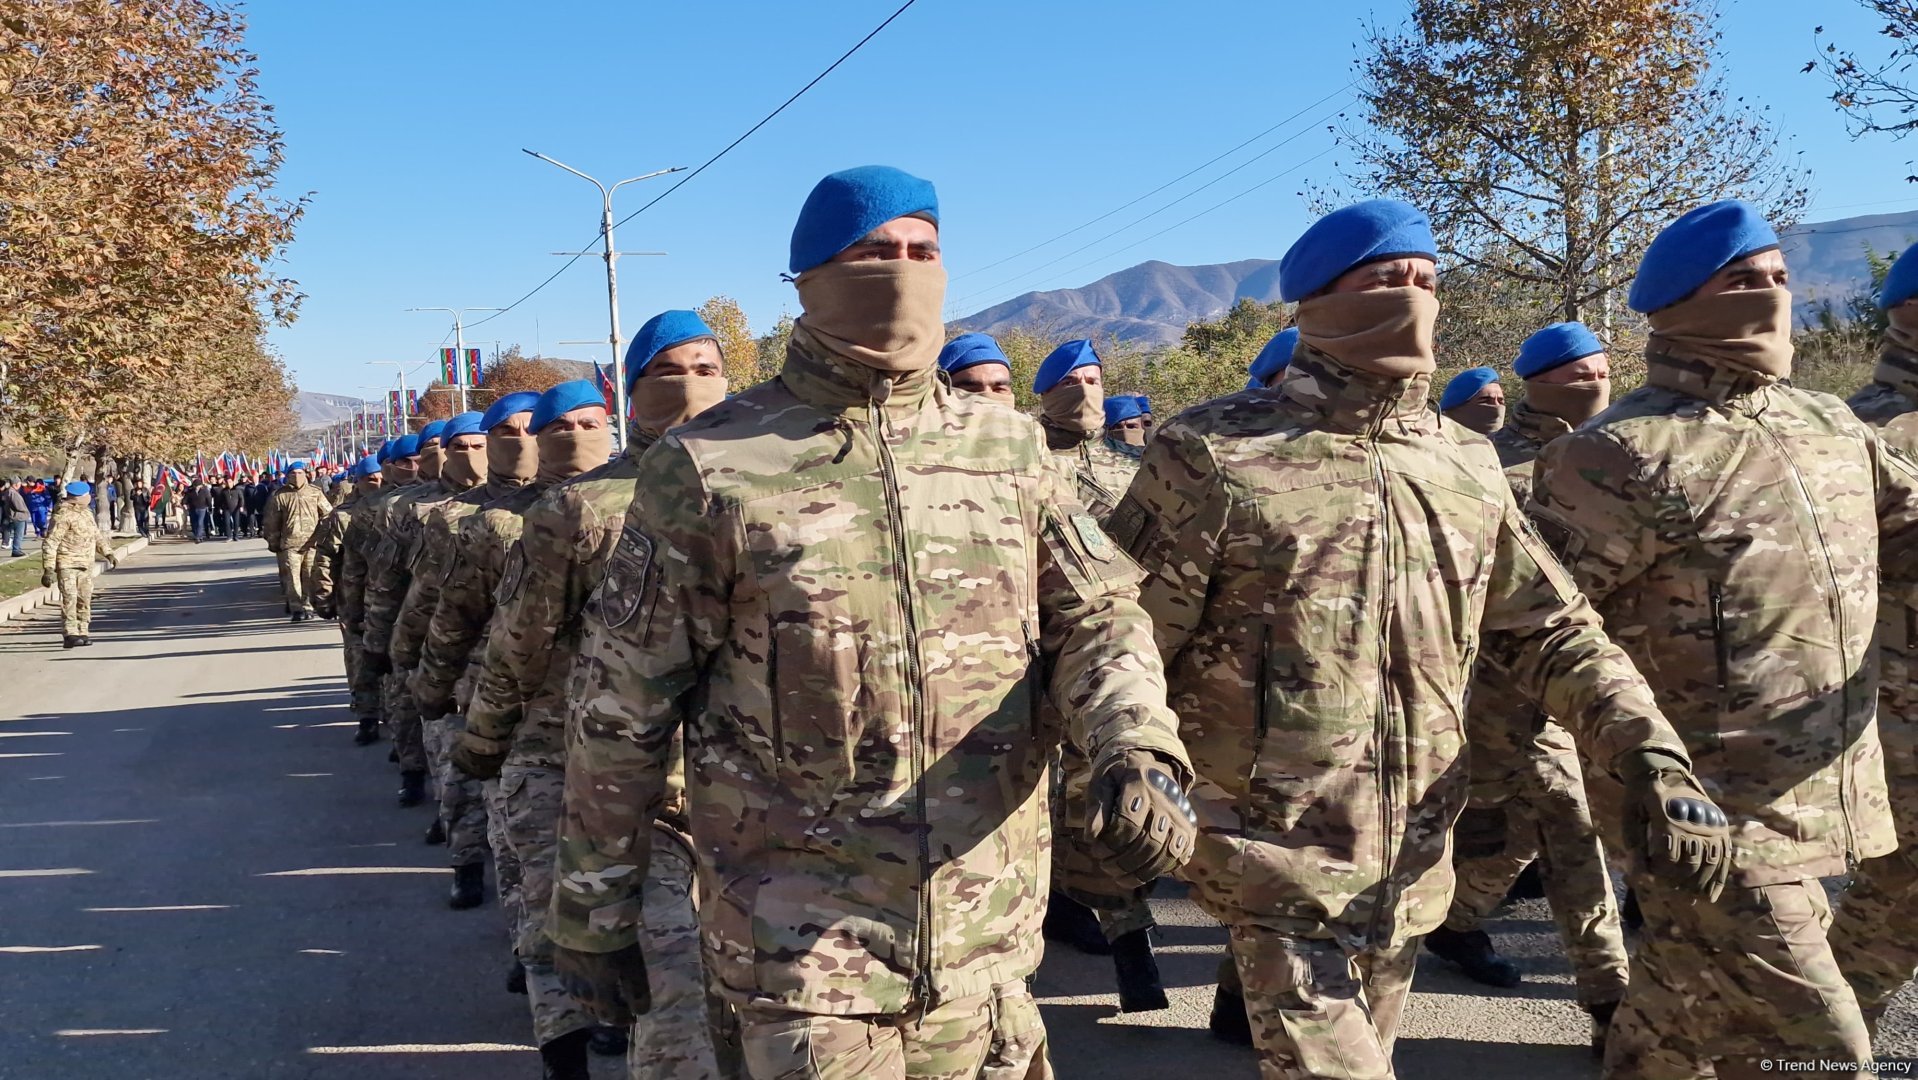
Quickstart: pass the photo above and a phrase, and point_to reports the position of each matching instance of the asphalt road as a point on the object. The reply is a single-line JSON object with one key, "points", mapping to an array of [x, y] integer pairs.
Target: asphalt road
{"points": [[200, 877]]}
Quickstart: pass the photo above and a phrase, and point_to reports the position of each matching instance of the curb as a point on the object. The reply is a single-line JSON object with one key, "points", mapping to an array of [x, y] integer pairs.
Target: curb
{"points": [[15, 606]]}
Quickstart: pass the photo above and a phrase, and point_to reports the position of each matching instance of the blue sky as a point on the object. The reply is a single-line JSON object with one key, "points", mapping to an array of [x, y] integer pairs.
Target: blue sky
{"points": [[405, 119]]}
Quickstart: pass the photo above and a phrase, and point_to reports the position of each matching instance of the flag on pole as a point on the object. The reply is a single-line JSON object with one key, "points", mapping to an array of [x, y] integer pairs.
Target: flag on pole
{"points": [[450, 366], [412, 403], [393, 406], [473, 369], [605, 388]]}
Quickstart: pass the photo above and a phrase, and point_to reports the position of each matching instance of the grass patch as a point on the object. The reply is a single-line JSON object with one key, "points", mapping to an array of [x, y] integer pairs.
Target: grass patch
{"points": [[19, 575]]}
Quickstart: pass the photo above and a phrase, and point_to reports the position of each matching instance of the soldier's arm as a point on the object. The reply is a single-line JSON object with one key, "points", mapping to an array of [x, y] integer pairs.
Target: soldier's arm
{"points": [[275, 521], [1897, 490], [1171, 521], [1590, 500], [422, 596], [538, 605], [352, 587], [386, 582], [459, 618], [326, 551], [497, 707], [1106, 677], [659, 613], [50, 546]]}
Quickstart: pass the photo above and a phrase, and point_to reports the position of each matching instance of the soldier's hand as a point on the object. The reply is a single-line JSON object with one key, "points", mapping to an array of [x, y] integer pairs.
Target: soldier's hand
{"points": [[612, 986], [1480, 833], [476, 758], [1142, 826], [46, 579], [1686, 837], [376, 662]]}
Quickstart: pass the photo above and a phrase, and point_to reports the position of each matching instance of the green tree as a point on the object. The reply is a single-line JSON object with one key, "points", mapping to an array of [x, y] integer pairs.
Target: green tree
{"points": [[1836, 349], [770, 350], [736, 341]]}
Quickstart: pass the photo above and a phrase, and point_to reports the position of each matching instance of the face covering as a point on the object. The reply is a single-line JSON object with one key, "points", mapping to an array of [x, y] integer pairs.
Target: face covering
{"points": [[1748, 329], [1382, 332], [462, 465], [1131, 436], [1483, 417], [512, 457], [403, 470], [1573, 403], [565, 454], [882, 315], [1075, 407], [430, 462], [663, 402], [1903, 331], [296, 481]]}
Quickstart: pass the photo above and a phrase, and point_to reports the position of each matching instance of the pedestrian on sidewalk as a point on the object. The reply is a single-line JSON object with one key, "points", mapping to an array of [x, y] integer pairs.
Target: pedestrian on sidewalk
{"points": [[142, 504], [40, 505], [67, 558], [199, 507], [13, 516], [233, 510]]}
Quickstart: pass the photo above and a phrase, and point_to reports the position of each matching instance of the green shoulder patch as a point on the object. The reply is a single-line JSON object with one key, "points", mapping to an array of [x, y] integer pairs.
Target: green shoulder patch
{"points": [[1094, 539]]}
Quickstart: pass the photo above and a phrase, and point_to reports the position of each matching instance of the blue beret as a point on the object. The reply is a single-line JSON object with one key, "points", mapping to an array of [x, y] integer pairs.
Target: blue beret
{"points": [[1465, 386], [466, 423], [847, 205], [1555, 346], [662, 332], [520, 402], [1122, 408], [385, 453], [1276, 356], [1901, 283], [1145, 404], [971, 350], [1693, 248], [1361, 233], [431, 432], [79, 487], [368, 466], [1063, 360], [563, 399], [405, 446], [299, 465]]}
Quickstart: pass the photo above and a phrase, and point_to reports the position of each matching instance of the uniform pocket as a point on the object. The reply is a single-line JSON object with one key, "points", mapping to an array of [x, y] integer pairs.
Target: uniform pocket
{"points": [[1018, 1047]]}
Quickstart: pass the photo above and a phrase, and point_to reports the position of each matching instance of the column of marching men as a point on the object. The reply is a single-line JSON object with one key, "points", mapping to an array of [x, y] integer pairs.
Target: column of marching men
{"points": [[792, 731]]}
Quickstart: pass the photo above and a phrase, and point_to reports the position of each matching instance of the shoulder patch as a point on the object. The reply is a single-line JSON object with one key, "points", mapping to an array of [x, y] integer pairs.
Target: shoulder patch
{"points": [[511, 576], [1557, 536], [1127, 523], [1097, 544], [623, 590]]}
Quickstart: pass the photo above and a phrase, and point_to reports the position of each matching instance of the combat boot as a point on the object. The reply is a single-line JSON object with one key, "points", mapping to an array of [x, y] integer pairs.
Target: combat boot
{"points": [[469, 887], [1071, 923], [607, 1041], [368, 734], [565, 1057], [69, 641], [1230, 1024], [1140, 989], [83, 641], [1601, 1025], [436, 832], [412, 787], [516, 978], [1472, 951]]}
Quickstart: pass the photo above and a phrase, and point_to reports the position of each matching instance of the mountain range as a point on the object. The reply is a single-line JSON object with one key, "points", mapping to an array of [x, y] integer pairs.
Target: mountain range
{"points": [[1151, 303]]}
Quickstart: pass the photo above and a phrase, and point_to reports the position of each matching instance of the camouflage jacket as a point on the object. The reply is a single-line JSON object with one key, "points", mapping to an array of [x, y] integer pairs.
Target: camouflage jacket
{"points": [[1518, 441], [1729, 529], [73, 539], [390, 568], [1323, 562], [362, 541], [293, 516], [456, 634], [434, 556], [519, 701], [852, 591], [328, 544], [1102, 468]]}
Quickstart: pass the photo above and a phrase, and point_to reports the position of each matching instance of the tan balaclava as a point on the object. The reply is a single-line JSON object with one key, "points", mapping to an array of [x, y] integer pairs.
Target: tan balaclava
{"points": [[878, 314], [1386, 332], [404, 470], [464, 462], [511, 456], [1573, 403], [1480, 414], [1745, 329], [662, 402], [296, 479], [430, 460], [1075, 407], [566, 454]]}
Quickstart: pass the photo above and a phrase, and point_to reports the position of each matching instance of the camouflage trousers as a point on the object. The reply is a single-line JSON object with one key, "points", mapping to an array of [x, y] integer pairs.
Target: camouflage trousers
{"points": [[995, 1036], [402, 717], [462, 811], [687, 1034], [1549, 816], [1718, 988], [530, 799], [1874, 934], [295, 567], [76, 600], [1318, 1011], [505, 863], [1071, 776], [362, 686]]}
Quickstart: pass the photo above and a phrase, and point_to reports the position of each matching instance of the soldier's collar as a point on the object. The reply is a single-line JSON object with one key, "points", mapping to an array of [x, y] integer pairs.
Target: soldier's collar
{"points": [[835, 385], [1898, 369], [637, 442], [1060, 439], [1719, 384], [1347, 397], [1539, 427]]}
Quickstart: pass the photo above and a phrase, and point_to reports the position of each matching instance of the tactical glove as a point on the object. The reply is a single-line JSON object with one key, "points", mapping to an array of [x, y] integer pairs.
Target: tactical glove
{"points": [[612, 986], [1686, 838], [476, 758], [1142, 826], [1084, 877], [1480, 833], [46, 579], [376, 662]]}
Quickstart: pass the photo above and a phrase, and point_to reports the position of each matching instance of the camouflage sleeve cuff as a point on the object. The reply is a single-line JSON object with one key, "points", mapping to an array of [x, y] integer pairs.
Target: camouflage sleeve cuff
{"points": [[480, 744], [593, 923], [1613, 762], [1134, 732]]}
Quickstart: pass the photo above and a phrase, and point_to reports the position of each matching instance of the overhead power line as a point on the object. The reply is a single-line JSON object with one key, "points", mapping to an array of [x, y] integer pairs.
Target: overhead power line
{"points": [[709, 161]]}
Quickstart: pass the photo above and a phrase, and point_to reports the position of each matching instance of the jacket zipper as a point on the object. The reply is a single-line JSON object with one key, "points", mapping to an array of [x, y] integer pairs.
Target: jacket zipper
{"points": [[1387, 759], [922, 988], [772, 691], [1035, 675], [1720, 646], [1838, 622]]}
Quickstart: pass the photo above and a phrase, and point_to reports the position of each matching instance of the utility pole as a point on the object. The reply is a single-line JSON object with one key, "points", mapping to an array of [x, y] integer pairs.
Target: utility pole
{"points": [[366, 421], [402, 369], [459, 346], [612, 280]]}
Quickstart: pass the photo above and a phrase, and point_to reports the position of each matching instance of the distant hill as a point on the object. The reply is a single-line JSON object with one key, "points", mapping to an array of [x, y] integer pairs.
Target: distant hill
{"points": [[317, 411], [1151, 303]]}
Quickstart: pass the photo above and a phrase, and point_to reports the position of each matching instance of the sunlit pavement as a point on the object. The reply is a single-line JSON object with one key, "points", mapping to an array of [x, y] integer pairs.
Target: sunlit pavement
{"points": [[201, 877]]}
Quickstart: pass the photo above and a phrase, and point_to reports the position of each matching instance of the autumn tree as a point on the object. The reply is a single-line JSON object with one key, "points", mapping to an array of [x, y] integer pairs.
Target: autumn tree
{"points": [[1550, 142], [512, 372], [736, 341], [770, 350], [1875, 91]]}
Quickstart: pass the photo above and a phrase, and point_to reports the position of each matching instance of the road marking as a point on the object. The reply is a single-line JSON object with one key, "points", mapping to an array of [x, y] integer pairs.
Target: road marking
{"points": [[421, 1048], [67, 824], [341, 723], [76, 1033], [118, 729], [286, 727], [68, 871], [349, 871], [30, 755], [322, 952], [308, 775], [162, 907], [49, 948], [29, 734], [46, 778]]}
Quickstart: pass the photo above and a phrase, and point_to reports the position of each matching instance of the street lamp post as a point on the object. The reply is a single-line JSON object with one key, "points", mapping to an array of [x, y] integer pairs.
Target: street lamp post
{"points": [[612, 280], [459, 345]]}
